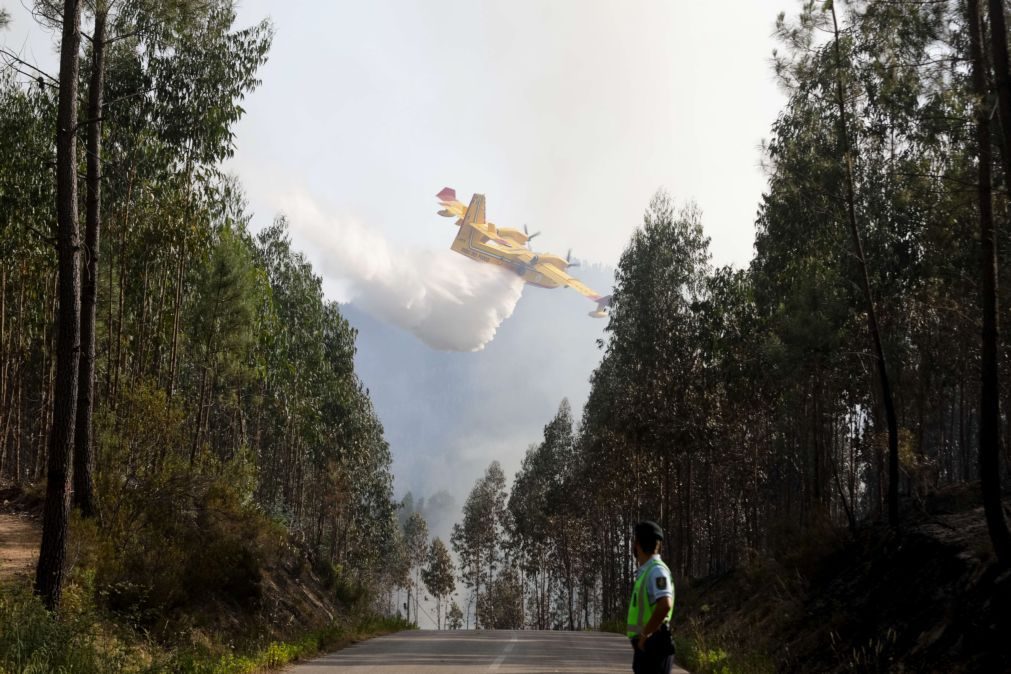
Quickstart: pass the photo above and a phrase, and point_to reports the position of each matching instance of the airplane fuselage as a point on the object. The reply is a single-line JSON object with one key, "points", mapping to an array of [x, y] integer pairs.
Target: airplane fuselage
{"points": [[475, 246], [482, 241]]}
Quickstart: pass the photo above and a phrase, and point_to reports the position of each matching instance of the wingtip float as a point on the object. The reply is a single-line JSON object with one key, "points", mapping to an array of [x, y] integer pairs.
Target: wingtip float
{"points": [[482, 241]]}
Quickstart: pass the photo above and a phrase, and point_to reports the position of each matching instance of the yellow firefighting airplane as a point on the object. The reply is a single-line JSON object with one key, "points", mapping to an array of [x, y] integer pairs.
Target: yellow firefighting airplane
{"points": [[480, 240]]}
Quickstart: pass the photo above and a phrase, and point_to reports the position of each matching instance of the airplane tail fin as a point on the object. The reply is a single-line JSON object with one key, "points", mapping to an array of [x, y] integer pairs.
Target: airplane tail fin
{"points": [[451, 207], [475, 212]]}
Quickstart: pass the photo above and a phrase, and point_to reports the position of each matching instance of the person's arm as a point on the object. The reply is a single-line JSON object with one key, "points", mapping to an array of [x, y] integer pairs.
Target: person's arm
{"points": [[663, 606]]}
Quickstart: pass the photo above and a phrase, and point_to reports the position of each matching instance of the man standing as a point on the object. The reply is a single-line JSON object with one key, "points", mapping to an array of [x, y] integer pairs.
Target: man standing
{"points": [[652, 604]]}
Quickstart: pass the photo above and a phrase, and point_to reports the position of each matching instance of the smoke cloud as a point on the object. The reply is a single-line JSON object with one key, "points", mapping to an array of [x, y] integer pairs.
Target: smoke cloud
{"points": [[448, 301]]}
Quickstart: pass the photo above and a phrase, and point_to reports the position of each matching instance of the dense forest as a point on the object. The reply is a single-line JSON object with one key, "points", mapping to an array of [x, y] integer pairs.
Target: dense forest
{"points": [[184, 394], [854, 363], [182, 379]]}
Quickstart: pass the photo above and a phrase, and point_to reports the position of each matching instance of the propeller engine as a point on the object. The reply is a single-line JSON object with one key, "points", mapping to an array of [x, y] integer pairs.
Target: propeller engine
{"points": [[529, 235], [568, 258]]}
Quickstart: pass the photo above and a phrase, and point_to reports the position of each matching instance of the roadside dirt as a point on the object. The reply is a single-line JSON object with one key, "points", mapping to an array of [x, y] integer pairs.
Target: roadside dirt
{"points": [[19, 545], [20, 532]]}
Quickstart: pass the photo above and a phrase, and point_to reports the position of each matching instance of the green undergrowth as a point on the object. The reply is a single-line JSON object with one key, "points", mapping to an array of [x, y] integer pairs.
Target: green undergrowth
{"points": [[700, 653], [81, 641]]}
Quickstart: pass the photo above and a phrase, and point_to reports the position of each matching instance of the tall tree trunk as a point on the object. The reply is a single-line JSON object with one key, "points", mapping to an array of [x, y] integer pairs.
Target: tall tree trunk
{"points": [[177, 309], [872, 319], [121, 299], [989, 422], [108, 319], [49, 573], [84, 453], [156, 332], [6, 355], [142, 338]]}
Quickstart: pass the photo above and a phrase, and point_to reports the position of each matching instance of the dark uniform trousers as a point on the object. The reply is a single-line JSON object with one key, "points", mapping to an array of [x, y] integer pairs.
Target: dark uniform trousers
{"points": [[648, 661]]}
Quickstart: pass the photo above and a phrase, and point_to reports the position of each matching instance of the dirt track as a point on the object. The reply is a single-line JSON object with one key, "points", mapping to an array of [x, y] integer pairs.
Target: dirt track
{"points": [[19, 545]]}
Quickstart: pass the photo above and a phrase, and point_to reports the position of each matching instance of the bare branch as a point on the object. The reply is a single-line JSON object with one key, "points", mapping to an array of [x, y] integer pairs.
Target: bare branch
{"points": [[14, 58]]}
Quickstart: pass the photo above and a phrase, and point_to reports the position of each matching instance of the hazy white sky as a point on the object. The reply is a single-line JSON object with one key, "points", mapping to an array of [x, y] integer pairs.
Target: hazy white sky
{"points": [[568, 114]]}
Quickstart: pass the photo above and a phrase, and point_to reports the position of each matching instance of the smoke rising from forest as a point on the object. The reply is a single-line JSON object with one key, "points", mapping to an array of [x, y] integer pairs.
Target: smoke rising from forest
{"points": [[443, 298]]}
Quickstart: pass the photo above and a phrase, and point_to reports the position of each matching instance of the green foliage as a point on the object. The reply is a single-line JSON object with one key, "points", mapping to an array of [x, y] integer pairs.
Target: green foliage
{"points": [[173, 538], [547, 533], [277, 654], [232, 433], [454, 617], [477, 540], [698, 652], [501, 607], [439, 575], [739, 407], [34, 641]]}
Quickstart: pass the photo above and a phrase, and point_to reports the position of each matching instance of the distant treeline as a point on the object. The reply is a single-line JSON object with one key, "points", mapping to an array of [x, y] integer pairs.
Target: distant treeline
{"points": [[744, 410], [223, 389]]}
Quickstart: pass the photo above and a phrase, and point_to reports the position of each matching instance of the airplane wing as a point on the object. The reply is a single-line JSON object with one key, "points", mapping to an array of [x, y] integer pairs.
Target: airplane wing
{"points": [[563, 278]]}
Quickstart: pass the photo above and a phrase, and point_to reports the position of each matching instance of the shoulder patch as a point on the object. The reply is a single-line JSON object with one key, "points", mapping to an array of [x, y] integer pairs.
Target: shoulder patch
{"points": [[661, 582]]}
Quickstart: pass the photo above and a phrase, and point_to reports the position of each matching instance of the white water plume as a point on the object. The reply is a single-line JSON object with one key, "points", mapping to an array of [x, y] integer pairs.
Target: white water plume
{"points": [[448, 301]]}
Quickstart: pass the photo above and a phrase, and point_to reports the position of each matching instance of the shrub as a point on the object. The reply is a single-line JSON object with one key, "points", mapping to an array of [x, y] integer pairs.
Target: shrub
{"points": [[33, 641], [175, 536]]}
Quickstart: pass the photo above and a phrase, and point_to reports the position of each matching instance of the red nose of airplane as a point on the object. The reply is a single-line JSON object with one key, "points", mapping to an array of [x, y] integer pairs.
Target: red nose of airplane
{"points": [[447, 194]]}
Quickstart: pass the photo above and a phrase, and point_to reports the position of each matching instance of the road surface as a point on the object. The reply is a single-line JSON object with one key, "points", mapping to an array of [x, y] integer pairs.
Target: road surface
{"points": [[469, 651]]}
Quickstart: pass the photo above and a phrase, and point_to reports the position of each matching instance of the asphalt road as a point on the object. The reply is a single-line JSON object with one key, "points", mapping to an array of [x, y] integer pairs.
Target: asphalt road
{"points": [[469, 651]]}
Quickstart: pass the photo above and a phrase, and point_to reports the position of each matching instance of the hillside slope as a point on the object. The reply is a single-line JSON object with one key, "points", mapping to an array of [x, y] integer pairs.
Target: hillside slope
{"points": [[929, 598], [275, 607]]}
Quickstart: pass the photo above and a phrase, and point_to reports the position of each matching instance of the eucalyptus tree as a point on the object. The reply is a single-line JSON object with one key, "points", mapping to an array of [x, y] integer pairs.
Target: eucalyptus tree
{"points": [[502, 606], [200, 72], [530, 534], [660, 277], [454, 617], [262, 367], [884, 379], [439, 576], [27, 293], [745, 407], [564, 513], [416, 541], [477, 540], [227, 293]]}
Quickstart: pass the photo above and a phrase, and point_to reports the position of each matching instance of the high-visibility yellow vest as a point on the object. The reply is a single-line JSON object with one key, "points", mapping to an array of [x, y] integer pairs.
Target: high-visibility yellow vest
{"points": [[639, 608]]}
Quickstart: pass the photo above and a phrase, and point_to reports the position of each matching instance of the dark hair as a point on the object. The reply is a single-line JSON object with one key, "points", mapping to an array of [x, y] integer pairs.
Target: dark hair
{"points": [[648, 534], [647, 542]]}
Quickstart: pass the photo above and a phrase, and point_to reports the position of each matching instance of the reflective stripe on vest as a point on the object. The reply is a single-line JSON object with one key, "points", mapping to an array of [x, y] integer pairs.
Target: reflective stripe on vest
{"points": [[639, 608]]}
